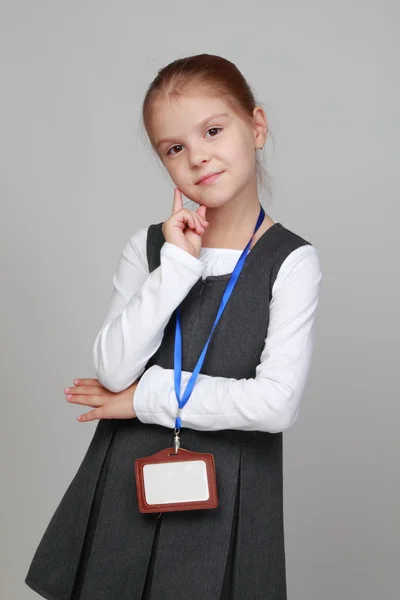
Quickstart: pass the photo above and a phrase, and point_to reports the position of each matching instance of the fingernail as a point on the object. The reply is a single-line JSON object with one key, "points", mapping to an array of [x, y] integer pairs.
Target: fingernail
{"points": [[69, 397], [76, 381], [66, 390]]}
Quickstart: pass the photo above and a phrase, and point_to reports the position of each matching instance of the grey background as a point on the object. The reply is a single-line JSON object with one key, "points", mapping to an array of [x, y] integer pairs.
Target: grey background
{"points": [[78, 180]]}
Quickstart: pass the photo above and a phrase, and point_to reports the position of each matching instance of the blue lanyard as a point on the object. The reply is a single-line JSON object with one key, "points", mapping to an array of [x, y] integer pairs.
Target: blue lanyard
{"points": [[178, 332]]}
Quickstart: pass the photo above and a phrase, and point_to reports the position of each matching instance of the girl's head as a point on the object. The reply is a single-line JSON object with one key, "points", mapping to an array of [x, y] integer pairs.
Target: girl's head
{"points": [[201, 117]]}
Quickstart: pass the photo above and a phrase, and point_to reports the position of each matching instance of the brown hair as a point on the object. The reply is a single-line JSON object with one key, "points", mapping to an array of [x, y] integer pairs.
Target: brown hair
{"points": [[221, 77]]}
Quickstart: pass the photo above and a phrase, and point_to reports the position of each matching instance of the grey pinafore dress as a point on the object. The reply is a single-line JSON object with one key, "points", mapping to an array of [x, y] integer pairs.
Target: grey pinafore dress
{"points": [[98, 546]]}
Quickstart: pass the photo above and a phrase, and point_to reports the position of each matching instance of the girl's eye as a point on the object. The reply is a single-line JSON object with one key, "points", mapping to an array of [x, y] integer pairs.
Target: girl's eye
{"points": [[172, 150], [217, 129], [169, 151]]}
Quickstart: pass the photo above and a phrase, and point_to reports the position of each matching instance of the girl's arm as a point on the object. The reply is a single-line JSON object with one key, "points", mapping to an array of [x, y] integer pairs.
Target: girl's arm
{"points": [[140, 308], [270, 402]]}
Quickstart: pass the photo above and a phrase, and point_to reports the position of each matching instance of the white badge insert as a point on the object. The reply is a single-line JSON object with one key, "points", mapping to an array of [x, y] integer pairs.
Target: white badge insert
{"points": [[177, 481]]}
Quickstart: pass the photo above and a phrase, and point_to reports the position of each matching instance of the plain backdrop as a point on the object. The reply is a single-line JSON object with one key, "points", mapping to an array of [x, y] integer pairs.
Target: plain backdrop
{"points": [[77, 180]]}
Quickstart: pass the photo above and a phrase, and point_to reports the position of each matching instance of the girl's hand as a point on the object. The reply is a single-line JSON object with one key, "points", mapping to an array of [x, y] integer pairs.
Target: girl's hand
{"points": [[106, 404], [185, 227]]}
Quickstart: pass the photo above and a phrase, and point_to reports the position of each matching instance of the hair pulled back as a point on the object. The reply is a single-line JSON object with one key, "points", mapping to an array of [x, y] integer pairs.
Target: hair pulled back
{"points": [[217, 75]]}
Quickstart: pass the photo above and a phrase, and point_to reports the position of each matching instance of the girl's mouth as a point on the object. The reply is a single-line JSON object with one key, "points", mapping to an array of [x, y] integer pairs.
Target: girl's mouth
{"points": [[210, 179]]}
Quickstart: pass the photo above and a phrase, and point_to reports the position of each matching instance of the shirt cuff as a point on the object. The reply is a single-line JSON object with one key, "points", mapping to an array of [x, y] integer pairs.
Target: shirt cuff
{"points": [[163, 389], [183, 258]]}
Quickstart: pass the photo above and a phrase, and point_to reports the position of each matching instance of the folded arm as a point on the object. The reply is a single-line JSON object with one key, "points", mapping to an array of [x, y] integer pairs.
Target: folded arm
{"points": [[270, 402]]}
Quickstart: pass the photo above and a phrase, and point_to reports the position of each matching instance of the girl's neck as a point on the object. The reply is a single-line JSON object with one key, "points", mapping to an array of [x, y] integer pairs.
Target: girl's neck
{"points": [[231, 226]]}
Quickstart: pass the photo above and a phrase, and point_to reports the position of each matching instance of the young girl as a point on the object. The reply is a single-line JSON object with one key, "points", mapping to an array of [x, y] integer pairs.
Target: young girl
{"points": [[206, 128]]}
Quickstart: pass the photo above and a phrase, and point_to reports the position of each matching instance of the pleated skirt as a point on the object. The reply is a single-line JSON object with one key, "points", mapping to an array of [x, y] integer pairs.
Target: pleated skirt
{"points": [[99, 547], [147, 590]]}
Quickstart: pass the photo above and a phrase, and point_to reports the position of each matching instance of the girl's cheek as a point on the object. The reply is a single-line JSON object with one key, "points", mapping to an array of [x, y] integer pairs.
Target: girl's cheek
{"points": [[177, 174]]}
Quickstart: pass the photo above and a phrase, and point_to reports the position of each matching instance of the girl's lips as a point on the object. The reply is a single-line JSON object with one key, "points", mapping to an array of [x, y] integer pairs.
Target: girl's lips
{"points": [[210, 179]]}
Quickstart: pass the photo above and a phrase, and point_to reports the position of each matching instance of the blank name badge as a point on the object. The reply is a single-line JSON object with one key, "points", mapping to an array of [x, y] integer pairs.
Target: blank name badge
{"points": [[169, 481]]}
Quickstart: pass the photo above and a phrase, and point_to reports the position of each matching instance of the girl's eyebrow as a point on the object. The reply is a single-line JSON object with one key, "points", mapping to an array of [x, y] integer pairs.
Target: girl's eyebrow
{"points": [[199, 126]]}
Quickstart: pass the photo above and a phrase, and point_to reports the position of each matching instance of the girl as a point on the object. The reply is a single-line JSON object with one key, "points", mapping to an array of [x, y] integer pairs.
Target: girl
{"points": [[205, 126]]}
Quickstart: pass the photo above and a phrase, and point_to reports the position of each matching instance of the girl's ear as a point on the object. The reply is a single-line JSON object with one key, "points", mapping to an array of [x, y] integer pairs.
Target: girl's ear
{"points": [[260, 127]]}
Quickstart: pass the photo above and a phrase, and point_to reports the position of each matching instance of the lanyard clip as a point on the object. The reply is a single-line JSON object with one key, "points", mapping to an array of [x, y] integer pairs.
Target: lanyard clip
{"points": [[176, 442]]}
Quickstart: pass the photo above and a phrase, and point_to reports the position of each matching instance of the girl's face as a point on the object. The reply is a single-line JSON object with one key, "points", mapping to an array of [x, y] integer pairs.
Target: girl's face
{"points": [[196, 136]]}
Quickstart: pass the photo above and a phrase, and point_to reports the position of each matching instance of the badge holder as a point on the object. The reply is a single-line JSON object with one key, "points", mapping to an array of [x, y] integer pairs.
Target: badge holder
{"points": [[176, 479]]}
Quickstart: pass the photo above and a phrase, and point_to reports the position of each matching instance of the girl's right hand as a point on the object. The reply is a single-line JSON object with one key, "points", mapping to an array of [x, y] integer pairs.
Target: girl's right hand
{"points": [[106, 404], [185, 227]]}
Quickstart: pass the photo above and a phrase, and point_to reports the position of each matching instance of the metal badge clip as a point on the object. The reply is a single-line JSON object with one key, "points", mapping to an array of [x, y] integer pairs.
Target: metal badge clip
{"points": [[176, 442]]}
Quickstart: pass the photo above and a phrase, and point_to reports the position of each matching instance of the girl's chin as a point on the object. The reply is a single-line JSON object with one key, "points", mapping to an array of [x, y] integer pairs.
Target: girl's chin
{"points": [[213, 198]]}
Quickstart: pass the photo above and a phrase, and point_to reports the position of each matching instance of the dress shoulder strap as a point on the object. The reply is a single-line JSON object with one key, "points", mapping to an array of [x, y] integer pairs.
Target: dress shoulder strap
{"points": [[155, 241]]}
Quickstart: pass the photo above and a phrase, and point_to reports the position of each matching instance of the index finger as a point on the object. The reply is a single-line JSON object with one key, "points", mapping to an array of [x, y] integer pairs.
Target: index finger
{"points": [[177, 204]]}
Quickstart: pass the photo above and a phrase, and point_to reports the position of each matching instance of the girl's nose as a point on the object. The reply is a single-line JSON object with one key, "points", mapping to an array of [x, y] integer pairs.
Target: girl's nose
{"points": [[198, 157]]}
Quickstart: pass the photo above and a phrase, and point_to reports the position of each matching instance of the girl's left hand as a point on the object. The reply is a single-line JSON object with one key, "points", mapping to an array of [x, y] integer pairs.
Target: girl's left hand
{"points": [[106, 404]]}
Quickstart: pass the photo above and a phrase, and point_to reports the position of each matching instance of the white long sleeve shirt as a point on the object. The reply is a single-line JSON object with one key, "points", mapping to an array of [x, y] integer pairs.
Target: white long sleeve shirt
{"points": [[141, 306]]}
